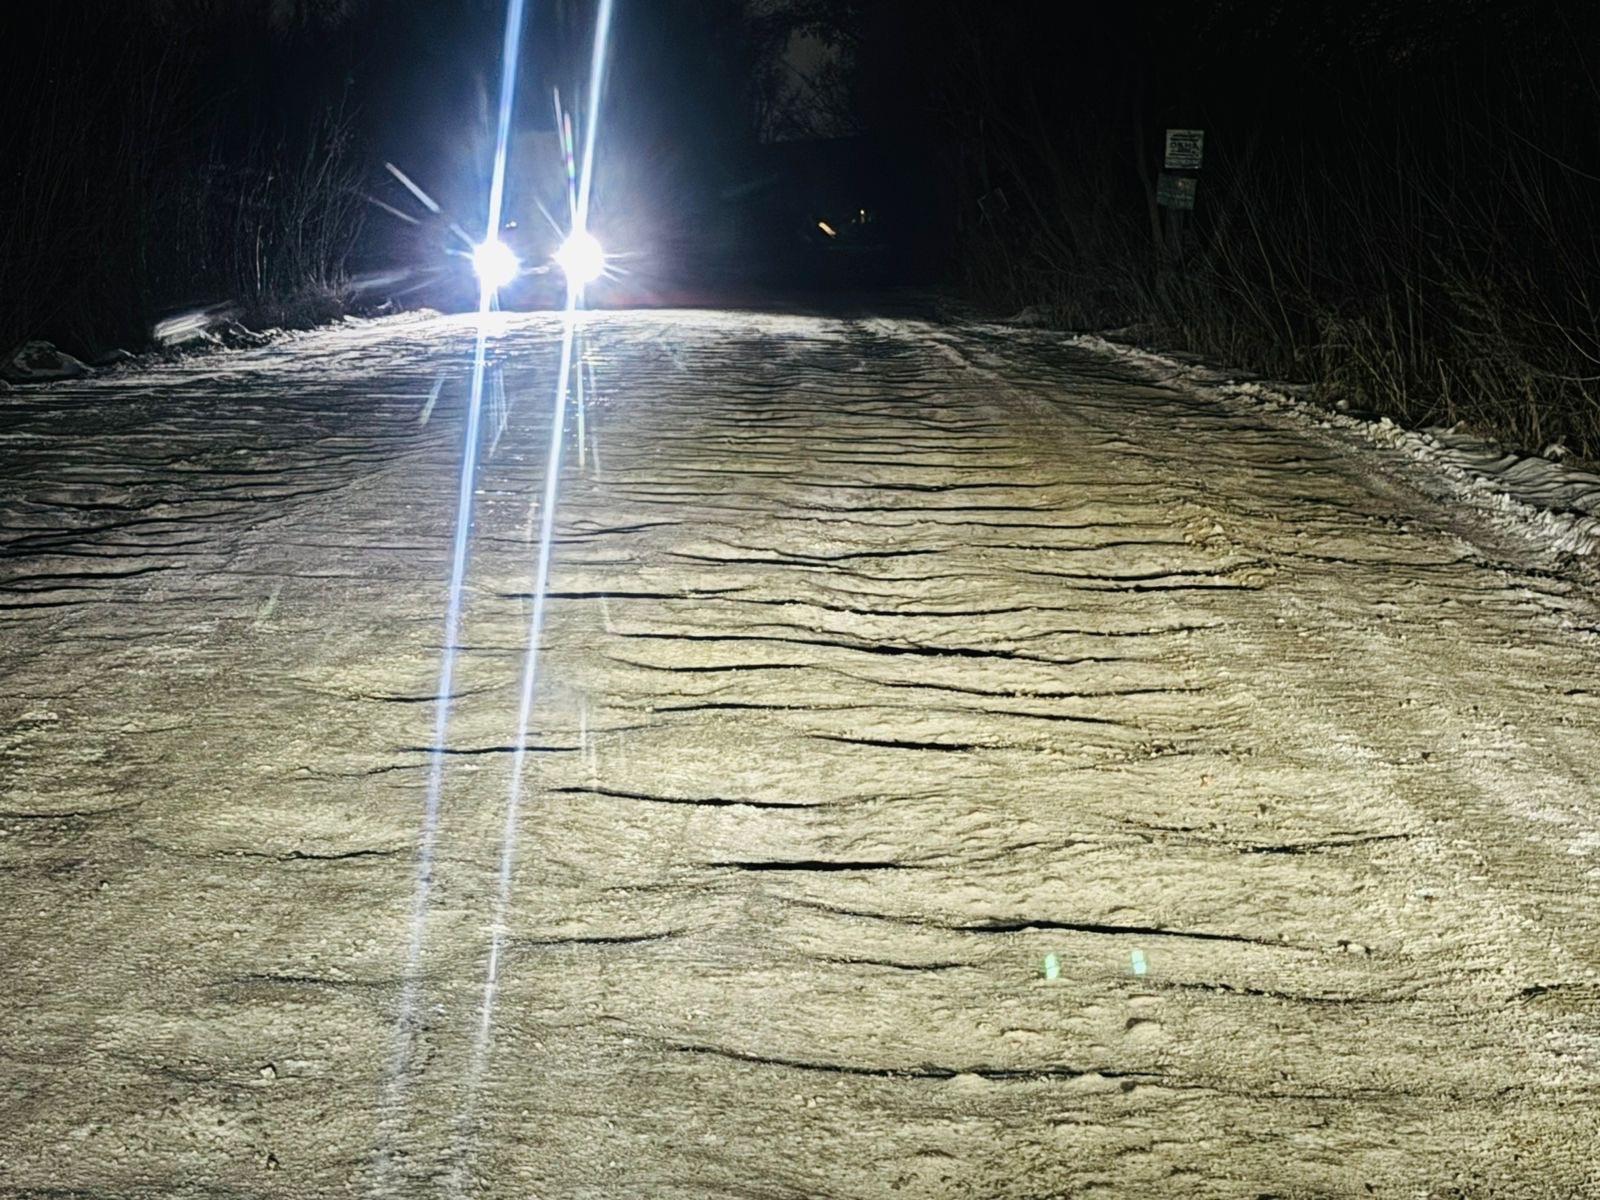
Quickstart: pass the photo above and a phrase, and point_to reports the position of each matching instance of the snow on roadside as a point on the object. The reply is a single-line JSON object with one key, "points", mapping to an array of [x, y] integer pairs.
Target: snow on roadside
{"points": [[1557, 506], [40, 362], [202, 334]]}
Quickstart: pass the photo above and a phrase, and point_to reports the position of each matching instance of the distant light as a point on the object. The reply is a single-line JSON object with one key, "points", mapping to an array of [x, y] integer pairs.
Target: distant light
{"points": [[495, 263], [827, 229], [580, 258]]}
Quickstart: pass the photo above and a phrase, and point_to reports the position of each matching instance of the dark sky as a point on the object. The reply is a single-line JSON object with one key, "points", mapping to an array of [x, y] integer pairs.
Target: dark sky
{"points": [[133, 130]]}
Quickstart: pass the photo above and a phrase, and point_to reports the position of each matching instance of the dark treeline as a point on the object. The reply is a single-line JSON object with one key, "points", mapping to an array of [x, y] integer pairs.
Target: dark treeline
{"points": [[1400, 199], [172, 153], [163, 155]]}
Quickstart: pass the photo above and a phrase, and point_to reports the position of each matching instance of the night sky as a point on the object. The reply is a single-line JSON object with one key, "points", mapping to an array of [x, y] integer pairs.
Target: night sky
{"points": [[164, 155]]}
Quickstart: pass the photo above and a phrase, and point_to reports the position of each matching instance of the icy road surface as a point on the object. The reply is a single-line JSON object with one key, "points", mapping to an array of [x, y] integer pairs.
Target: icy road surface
{"points": [[890, 668]]}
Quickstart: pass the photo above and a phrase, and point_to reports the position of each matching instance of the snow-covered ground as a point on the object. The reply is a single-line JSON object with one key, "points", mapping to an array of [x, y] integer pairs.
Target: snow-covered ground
{"points": [[964, 765], [1539, 496]]}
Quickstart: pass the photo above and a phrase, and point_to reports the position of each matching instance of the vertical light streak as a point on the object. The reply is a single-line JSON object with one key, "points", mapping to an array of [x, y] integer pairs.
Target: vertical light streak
{"points": [[577, 380], [500, 407], [594, 434], [597, 70], [572, 169], [511, 50], [405, 1016], [427, 840], [530, 675], [530, 670]]}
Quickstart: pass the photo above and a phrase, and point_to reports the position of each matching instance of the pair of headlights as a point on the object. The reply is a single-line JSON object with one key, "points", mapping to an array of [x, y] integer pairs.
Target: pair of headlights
{"points": [[580, 258]]}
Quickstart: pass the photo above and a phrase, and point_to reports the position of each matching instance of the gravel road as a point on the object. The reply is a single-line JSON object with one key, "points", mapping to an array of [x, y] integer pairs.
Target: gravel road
{"points": [[962, 766]]}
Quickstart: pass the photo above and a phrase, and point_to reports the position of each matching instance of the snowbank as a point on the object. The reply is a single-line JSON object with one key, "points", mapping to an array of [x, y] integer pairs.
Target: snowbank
{"points": [[39, 362], [1559, 506]]}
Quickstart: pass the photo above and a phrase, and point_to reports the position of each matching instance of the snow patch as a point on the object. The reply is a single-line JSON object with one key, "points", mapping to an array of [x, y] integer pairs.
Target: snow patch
{"points": [[114, 357], [184, 329], [1034, 316], [1558, 506], [39, 362]]}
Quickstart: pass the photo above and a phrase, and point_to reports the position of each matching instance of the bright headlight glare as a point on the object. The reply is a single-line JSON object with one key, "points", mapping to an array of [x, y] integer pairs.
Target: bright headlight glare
{"points": [[581, 258], [495, 263]]}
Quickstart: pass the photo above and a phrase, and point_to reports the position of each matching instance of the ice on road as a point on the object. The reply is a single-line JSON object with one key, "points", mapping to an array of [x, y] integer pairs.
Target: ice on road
{"points": [[961, 766]]}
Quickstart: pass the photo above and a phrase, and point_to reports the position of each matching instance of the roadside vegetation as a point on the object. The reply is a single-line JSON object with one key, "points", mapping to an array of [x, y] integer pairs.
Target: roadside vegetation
{"points": [[150, 163], [1399, 203], [163, 157]]}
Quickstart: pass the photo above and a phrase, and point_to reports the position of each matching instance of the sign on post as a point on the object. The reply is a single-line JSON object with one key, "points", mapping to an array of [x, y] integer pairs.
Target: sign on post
{"points": [[1184, 149], [1175, 191]]}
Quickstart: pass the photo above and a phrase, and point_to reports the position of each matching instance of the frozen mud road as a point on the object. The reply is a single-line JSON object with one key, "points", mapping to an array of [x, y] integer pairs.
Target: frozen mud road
{"points": [[890, 668]]}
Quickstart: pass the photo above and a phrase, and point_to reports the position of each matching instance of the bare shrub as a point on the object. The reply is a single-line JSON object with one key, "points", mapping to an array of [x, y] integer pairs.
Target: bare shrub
{"points": [[1427, 246], [139, 180]]}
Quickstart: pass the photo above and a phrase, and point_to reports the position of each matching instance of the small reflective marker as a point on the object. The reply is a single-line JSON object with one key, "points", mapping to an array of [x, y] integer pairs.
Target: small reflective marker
{"points": [[1052, 967], [1139, 965]]}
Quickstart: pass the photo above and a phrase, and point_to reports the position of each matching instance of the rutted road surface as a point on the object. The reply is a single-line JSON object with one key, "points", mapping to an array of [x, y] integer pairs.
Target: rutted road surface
{"points": [[889, 669]]}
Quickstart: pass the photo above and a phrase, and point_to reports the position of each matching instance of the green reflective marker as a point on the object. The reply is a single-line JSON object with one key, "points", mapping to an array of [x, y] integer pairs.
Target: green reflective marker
{"points": [[1139, 965], [1052, 967]]}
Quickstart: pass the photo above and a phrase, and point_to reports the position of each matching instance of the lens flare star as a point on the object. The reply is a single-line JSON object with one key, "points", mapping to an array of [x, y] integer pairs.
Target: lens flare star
{"points": [[495, 263], [580, 258]]}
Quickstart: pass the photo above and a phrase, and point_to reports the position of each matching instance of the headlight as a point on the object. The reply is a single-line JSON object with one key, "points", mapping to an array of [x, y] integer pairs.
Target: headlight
{"points": [[495, 264], [581, 258]]}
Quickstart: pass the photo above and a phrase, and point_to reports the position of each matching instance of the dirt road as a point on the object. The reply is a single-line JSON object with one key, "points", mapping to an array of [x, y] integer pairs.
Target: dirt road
{"points": [[960, 767]]}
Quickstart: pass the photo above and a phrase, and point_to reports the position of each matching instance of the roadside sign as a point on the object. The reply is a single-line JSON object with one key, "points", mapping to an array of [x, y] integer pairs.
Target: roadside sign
{"points": [[1184, 147], [1175, 191]]}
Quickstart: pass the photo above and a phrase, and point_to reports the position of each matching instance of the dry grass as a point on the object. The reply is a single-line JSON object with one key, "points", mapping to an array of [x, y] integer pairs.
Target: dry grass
{"points": [[1452, 278], [139, 196]]}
